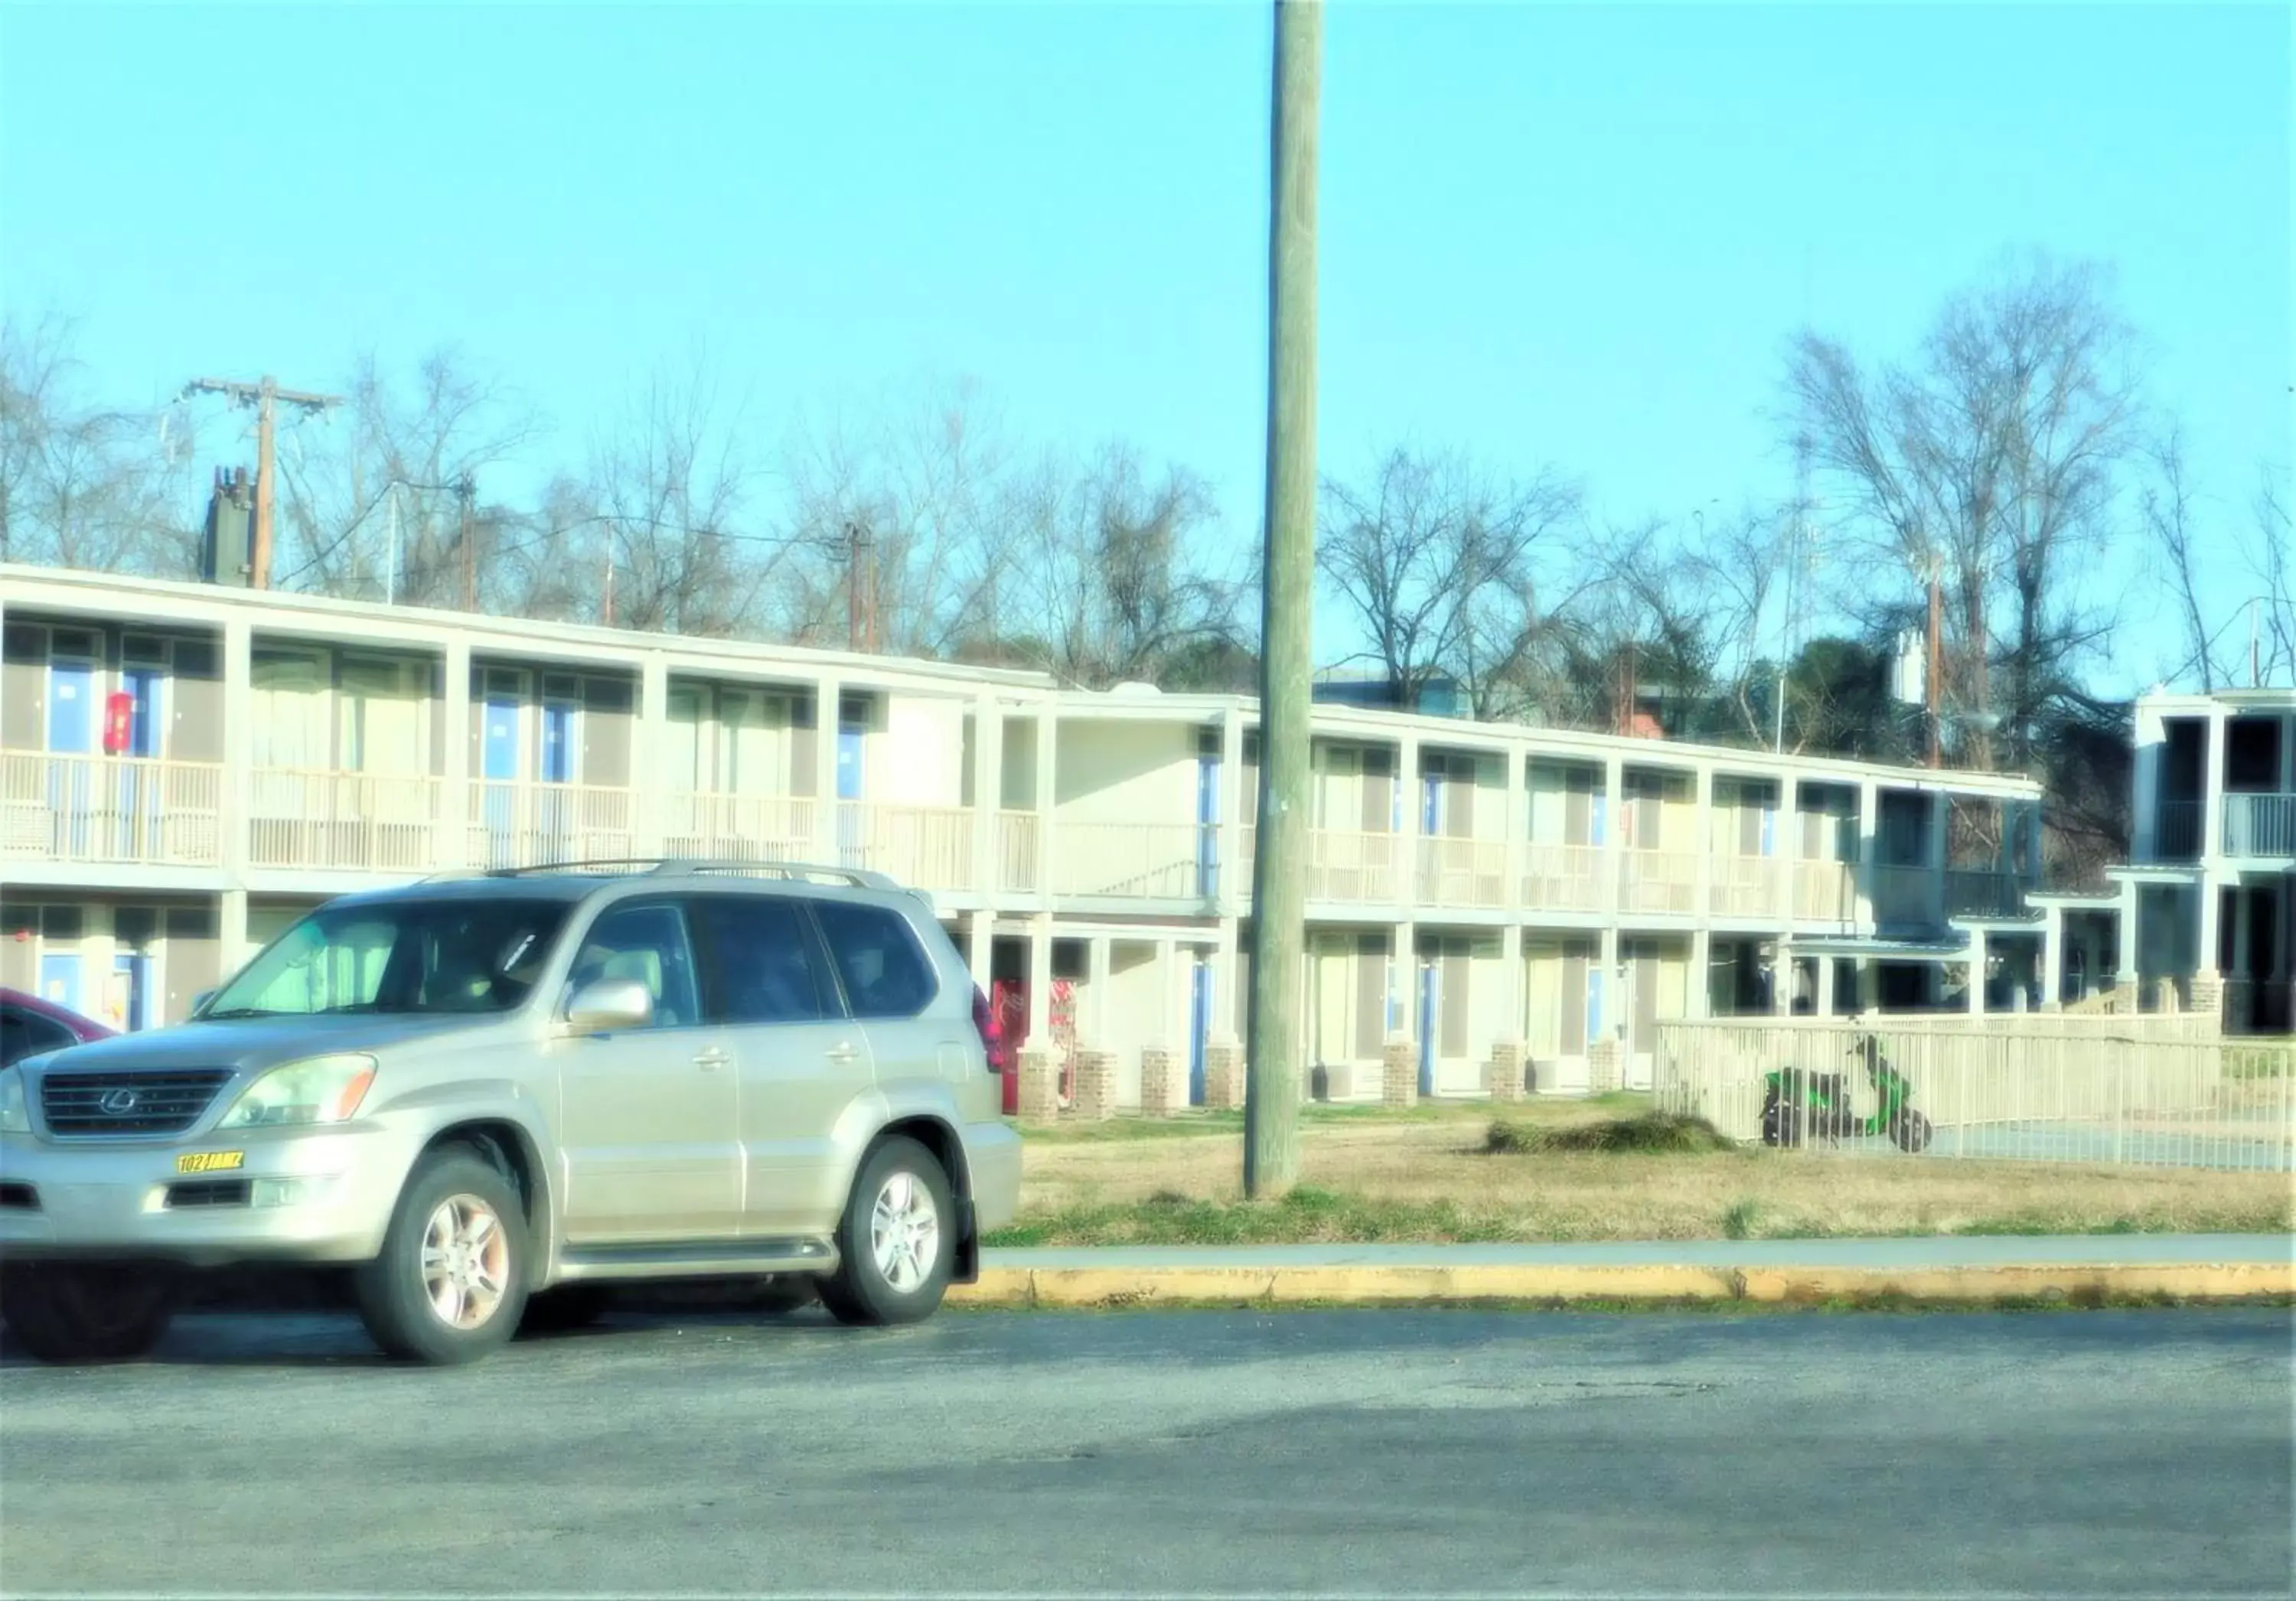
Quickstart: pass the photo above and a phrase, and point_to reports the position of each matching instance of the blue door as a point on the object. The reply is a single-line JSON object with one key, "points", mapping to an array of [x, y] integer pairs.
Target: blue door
{"points": [[71, 731], [1199, 1026], [1431, 805], [1208, 783], [1431, 1000], [136, 968], [849, 841], [498, 766], [140, 801], [59, 982], [556, 813]]}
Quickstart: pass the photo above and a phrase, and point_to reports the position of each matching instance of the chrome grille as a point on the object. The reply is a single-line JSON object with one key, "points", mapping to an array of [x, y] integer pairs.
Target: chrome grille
{"points": [[162, 1101]]}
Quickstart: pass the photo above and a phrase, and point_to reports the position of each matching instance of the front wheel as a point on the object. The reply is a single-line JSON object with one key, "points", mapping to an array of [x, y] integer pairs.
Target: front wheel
{"points": [[94, 1312], [450, 1283], [896, 1242], [1911, 1131]]}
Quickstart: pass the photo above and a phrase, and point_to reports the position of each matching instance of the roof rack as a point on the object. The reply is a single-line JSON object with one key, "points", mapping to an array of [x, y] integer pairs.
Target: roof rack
{"points": [[684, 867]]}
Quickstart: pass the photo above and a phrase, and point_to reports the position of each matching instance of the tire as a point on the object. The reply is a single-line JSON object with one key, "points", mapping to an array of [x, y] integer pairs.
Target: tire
{"points": [[468, 1304], [1789, 1127], [564, 1309], [88, 1312], [900, 1179], [1911, 1131]]}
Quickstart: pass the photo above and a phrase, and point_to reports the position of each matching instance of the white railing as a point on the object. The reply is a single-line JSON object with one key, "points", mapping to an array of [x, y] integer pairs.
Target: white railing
{"points": [[2259, 825], [1016, 851], [1158, 861], [2094, 1089], [1463, 872], [515, 824], [373, 822], [926, 847], [111, 808], [1904, 896], [1657, 881], [738, 828], [1747, 886], [1359, 868], [1563, 878], [1825, 892]]}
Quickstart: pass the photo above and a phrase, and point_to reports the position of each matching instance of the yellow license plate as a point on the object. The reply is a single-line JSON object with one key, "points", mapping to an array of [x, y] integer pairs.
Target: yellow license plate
{"points": [[211, 1161]]}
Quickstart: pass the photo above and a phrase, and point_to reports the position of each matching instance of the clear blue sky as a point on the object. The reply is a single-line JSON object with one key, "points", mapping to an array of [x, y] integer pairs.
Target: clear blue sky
{"points": [[1550, 233]]}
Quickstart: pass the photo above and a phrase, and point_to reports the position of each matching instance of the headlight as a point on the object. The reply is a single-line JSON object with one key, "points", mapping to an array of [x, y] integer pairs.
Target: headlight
{"points": [[324, 1089], [13, 1117]]}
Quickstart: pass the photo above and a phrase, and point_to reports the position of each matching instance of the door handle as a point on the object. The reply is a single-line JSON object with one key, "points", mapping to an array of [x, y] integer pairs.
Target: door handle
{"points": [[711, 1060], [842, 1052]]}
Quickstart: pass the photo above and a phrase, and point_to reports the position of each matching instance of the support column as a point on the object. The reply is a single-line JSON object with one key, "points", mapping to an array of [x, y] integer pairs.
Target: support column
{"points": [[1407, 976], [1517, 827], [231, 935], [458, 800], [1511, 985], [1235, 876], [1040, 981], [1611, 1010], [2052, 957], [1614, 861], [649, 784], [828, 718], [238, 666], [1940, 821], [980, 947], [1979, 950], [1826, 998], [1702, 841], [1698, 1000], [2212, 801], [2124, 968], [988, 798], [1047, 781], [1092, 1022], [2209, 925], [1869, 852], [1408, 845]]}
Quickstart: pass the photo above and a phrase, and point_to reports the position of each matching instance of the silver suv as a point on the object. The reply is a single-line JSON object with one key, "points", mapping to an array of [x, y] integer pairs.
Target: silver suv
{"points": [[491, 1097]]}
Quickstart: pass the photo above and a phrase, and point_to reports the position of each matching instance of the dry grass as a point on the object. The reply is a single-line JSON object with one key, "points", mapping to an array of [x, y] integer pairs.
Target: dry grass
{"points": [[1430, 1177]]}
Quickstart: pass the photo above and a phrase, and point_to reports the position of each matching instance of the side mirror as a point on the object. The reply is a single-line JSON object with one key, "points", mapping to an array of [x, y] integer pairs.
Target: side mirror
{"points": [[609, 1006]]}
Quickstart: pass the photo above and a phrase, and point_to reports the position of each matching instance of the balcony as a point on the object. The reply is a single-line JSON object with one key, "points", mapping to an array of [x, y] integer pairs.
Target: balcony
{"points": [[2259, 826], [1564, 878], [523, 825], [1825, 892], [1984, 892], [925, 847], [1016, 851], [1463, 872], [1748, 886], [1657, 881], [1147, 861], [122, 809], [1354, 867], [738, 828], [2176, 834], [370, 822], [1907, 897]]}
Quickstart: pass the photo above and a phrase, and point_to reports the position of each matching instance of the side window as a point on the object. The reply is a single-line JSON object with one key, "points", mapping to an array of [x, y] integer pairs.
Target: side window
{"points": [[885, 974], [646, 943], [27, 1034], [756, 958]]}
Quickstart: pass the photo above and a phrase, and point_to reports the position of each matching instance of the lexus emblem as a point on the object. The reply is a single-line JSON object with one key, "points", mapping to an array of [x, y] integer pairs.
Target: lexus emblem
{"points": [[118, 1103]]}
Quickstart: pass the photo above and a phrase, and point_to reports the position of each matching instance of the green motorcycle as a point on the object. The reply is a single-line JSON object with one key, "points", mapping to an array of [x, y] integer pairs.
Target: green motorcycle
{"points": [[1799, 1105]]}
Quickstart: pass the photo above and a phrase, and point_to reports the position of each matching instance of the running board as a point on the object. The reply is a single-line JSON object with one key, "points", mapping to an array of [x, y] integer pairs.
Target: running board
{"points": [[709, 1259]]}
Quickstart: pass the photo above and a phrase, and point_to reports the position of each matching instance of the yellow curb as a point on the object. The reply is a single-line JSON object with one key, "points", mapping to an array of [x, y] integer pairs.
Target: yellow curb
{"points": [[1377, 1286]]}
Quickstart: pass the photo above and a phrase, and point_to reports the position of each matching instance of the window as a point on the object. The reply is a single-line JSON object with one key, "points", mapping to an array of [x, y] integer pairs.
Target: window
{"points": [[884, 972], [646, 943], [756, 958], [27, 1034], [427, 956]]}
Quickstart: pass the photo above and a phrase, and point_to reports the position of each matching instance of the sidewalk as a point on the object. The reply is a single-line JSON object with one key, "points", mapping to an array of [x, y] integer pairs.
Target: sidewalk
{"points": [[1957, 1269]]}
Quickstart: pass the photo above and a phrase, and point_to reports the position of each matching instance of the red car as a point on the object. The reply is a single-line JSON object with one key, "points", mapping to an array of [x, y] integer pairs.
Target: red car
{"points": [[29, 1025]]}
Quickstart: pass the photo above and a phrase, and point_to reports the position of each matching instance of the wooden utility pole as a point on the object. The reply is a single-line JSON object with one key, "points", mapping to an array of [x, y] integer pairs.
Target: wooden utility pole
{"points": [[860, 588], [1937, 661], [467, 489], [264, 396], [1271, 1108]]}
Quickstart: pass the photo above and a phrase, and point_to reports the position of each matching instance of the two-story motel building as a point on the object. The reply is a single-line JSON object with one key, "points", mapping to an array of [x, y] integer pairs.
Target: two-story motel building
{"points": [[185, 768]]}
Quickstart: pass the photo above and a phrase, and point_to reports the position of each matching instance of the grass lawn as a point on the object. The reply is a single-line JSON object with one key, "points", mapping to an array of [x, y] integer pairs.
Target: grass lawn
{"points": [[1427, 1174]]}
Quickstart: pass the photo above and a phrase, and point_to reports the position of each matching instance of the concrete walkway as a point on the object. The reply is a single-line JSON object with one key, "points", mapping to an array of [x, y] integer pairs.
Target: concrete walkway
{"points": [[1987, 1269]]}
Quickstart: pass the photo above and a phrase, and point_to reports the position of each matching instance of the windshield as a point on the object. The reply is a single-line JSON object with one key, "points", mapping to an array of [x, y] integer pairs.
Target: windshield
{"points": [[401, 956]]}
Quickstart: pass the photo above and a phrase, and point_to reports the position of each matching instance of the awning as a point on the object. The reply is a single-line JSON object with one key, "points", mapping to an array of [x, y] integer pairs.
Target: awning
{"points": [[1878, 949]]}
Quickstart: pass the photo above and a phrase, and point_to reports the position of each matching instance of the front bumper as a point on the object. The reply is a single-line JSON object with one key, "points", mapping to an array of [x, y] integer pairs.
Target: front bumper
{"points": [[311, 1196]]}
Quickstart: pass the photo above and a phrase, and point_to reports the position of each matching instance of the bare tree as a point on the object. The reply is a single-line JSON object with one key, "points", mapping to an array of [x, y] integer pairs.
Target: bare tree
{"points": [[1434, 560], [2273, 559], [1995, 455], [2166, 504]]}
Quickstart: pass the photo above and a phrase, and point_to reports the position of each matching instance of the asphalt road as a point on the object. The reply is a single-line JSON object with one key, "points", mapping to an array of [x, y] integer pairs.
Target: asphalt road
{"points": [[1391, 1452]]}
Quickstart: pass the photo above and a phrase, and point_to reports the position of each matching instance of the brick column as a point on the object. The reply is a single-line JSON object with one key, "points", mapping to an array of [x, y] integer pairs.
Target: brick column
{"points": [[2207, 997], [1506, 1070], [1163, 1082], [1095, 1086], [1040, 1084], [1605, 1070], [1224, 1076], [1400, 1074]]}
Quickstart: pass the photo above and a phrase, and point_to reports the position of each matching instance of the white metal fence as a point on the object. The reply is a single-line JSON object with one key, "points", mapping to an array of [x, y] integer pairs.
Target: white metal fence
{"points": [[2140, 1091]]}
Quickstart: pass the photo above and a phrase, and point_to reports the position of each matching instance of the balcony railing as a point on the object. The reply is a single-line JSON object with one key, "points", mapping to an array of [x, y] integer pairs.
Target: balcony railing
{"points": [[1154, 861], [2176, 834], [1748, 886], [1657, 881], [1983, 892], [1563, 878], [372, 822], [1016, 851], [1825, 892], [2259, 825], [927, 847], [1463, 872], [1352, 866], [738, 828], [515, 824], [111, 808], [1905, 895]]}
